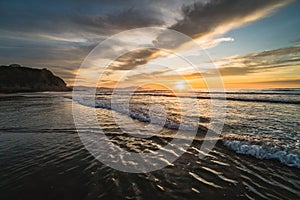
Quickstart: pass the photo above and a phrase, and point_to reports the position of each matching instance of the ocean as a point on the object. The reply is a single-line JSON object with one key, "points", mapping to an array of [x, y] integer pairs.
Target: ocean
{"points": [[257, 156]]}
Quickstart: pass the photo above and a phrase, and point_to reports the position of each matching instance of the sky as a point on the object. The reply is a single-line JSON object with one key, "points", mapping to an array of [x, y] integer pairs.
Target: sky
{"points": [[253, 44]]}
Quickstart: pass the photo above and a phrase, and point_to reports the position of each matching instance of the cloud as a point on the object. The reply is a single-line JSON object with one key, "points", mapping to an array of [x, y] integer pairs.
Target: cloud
{"points": [[132, 59], [289, 82], [218, 17], [260, 62], [206, 44], [146, 75], [115, 22], [295, 41], [51, 33], [65, 16], [210, 19], [61, 33]]}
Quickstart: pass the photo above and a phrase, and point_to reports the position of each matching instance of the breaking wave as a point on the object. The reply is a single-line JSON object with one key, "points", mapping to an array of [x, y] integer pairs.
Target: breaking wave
{"points": [[291, 159]]}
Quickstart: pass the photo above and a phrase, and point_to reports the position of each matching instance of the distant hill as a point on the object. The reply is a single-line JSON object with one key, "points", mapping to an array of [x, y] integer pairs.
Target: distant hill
{"points": [[14, 78]]}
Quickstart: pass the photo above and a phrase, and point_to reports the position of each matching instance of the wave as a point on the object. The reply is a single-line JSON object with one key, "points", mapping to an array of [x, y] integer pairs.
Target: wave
{"points": [[139, 114], [241, 145], [291, 159], [214, 97], [256, 100]]}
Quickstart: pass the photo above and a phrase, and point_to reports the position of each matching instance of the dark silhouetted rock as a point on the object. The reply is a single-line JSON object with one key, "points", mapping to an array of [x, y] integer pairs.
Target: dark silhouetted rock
{"points": [[14, 78]]}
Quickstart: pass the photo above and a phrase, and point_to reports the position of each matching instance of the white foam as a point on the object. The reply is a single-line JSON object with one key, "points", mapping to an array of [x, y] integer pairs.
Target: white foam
{"points": [[138, 114], [291, 159]]}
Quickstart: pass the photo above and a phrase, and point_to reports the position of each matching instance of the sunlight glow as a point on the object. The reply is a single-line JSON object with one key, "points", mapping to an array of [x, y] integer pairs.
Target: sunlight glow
{"points": [[180, 85]]}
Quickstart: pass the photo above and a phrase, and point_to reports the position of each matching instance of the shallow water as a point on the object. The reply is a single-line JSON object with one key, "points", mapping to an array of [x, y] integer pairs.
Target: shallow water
{"points": [[41, 155]]}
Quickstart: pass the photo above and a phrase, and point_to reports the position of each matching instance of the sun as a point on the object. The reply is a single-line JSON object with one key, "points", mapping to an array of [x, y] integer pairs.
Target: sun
{"points": [[180, 85]]}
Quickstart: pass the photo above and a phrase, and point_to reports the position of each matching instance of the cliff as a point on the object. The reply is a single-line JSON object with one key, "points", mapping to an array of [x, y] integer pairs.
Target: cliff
{"points": [[14, 78]]}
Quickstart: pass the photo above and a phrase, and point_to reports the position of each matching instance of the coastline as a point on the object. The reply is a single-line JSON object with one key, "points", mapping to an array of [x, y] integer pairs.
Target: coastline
{"points": [[15, 78]]}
